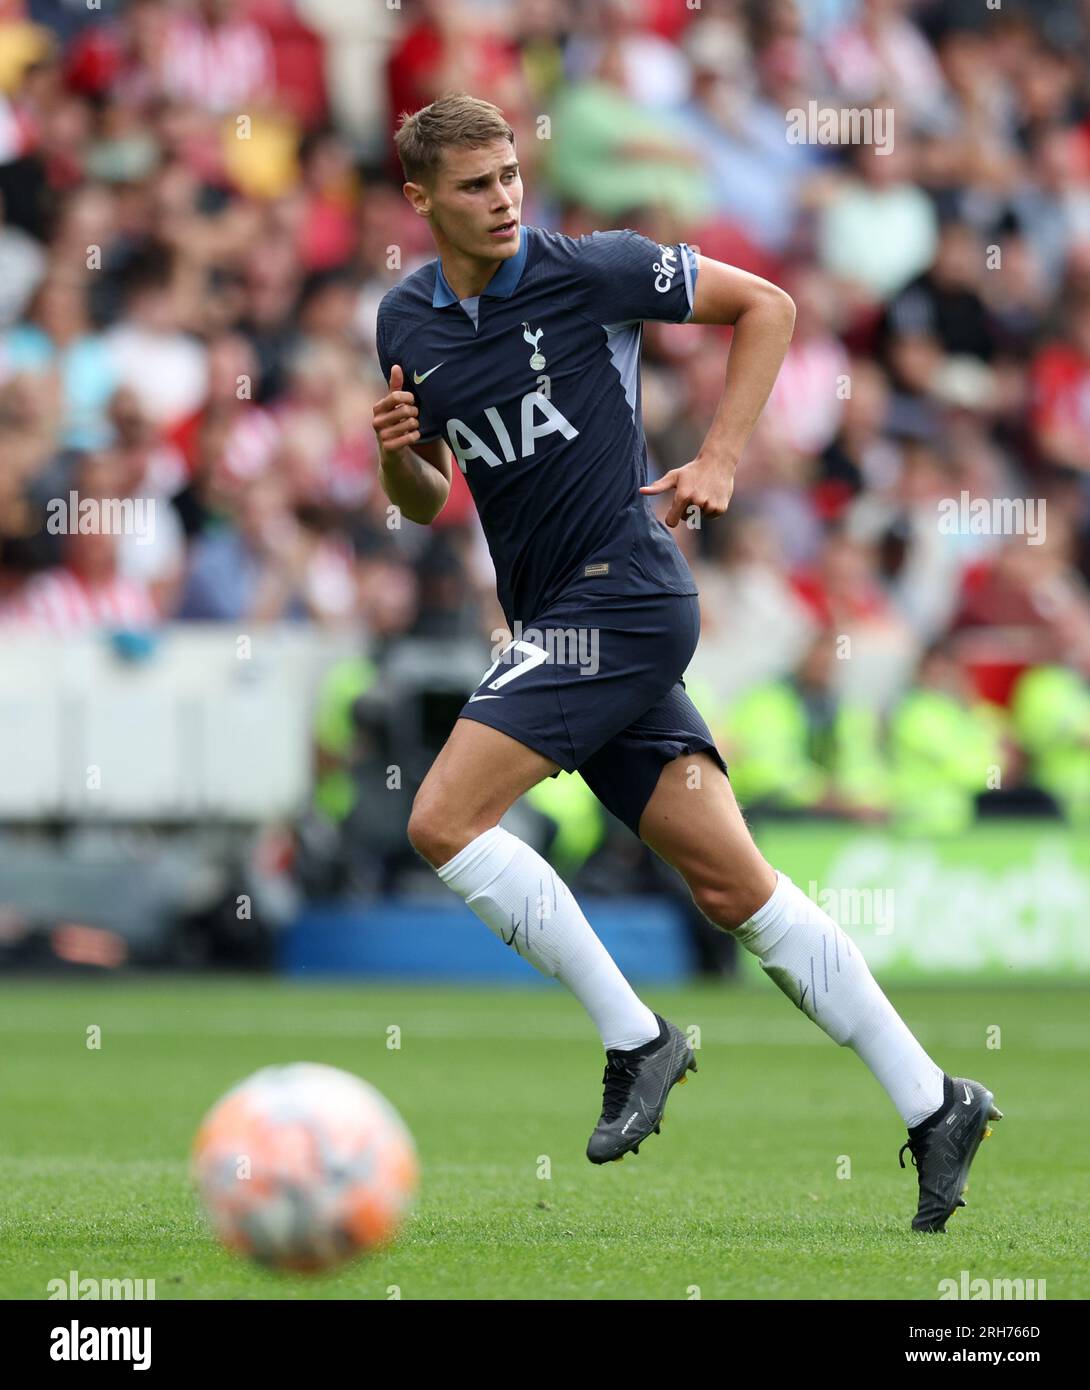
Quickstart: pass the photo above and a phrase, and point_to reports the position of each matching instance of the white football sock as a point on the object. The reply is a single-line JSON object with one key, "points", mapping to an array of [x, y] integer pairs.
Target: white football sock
{"points": [[518, 896], [824, 974]]}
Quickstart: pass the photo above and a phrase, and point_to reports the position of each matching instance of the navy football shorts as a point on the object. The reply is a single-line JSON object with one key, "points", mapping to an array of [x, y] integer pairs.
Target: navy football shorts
{"points": [[597, 687]]}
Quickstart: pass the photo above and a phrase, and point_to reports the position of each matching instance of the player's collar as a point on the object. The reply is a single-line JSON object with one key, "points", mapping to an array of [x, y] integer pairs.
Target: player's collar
{"points": [[502, 285]]}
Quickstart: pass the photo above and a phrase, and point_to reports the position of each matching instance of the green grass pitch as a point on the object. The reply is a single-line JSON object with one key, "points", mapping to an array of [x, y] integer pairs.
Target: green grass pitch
{"points": [[740, 1197]]}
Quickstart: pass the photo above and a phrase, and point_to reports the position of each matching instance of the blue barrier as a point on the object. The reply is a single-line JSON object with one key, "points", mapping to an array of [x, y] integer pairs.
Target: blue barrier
{"points": [[402, 939]]}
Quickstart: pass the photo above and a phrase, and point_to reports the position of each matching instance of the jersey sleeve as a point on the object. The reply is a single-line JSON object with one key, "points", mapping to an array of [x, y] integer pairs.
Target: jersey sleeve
{"points": [[385, 361], [389, 353], [627, 277]]}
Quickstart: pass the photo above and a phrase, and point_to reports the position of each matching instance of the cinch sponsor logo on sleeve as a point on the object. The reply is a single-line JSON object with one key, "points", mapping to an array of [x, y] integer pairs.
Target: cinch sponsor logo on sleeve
{"points": [[666, 269], [75, 1343]]}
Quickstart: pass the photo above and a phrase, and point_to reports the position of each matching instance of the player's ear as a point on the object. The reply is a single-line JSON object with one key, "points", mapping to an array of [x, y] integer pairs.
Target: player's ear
{"points": [[419, 198]]}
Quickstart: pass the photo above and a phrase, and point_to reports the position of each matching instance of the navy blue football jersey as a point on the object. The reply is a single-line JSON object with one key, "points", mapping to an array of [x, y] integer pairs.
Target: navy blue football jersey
{"points": [[535, 386]]}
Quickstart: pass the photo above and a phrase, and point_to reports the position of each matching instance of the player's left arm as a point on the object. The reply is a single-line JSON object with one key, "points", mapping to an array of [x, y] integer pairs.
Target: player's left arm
{"points": [[763, 317]]}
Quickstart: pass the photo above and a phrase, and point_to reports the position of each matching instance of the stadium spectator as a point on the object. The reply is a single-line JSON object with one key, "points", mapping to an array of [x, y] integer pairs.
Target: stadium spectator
{"points": [[187, 309], [87, 590]]}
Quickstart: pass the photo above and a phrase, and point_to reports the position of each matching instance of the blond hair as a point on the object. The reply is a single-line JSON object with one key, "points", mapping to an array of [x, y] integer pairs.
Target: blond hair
{"points": [[458, 119]]}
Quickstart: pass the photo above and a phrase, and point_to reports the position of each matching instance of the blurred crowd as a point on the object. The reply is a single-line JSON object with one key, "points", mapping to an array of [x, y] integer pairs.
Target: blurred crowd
{"points": [[200, 211]]}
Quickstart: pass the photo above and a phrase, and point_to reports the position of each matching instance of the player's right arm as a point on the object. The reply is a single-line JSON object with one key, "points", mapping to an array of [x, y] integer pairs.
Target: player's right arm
{"points": [[415, 476]]}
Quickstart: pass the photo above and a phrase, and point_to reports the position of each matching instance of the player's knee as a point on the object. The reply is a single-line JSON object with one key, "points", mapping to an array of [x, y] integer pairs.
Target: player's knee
{"points": [[427, 833], [436, 831], [731, 902]]}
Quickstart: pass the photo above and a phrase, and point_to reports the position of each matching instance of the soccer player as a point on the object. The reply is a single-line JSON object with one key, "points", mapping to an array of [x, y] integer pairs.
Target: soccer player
{"points": [[518, 350]]}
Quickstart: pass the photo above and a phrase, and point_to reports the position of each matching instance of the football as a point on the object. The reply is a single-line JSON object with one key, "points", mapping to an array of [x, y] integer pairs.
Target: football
{"points": [[303, 1167]]}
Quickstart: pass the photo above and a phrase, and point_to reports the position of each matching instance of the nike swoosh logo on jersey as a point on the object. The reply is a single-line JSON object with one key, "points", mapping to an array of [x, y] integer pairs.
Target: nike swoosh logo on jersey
{"points": [[484, 697], [968, 1096], [417, 378]]}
